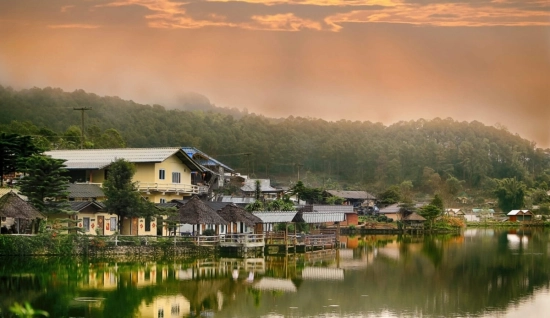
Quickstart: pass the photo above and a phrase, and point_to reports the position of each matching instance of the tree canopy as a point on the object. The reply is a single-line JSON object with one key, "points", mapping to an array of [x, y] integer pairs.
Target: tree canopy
{"points": [[438, 155]]}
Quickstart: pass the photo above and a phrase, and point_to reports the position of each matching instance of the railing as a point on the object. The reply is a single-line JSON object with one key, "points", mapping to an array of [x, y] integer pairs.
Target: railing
{"points": [[241, 239], [168, 187]]}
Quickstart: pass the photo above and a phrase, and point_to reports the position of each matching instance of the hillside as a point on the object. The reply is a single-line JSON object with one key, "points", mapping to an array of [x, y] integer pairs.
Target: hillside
{"points": [[352, 155]]}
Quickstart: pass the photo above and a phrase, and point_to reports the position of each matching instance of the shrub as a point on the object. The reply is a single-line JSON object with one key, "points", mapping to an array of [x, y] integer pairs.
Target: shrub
{"points": [[209, 232]]}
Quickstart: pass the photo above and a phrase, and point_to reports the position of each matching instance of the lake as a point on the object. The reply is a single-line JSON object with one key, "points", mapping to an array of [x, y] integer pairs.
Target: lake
{"points": [[482, 273]]}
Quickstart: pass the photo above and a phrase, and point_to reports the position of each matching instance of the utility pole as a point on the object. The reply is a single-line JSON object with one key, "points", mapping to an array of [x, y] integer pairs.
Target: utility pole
{"points": [[82, 110]]}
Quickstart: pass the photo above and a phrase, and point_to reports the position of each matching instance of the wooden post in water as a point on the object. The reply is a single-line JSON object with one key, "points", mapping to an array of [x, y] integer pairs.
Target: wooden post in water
{"points": [[338, 236], [286, 238]]}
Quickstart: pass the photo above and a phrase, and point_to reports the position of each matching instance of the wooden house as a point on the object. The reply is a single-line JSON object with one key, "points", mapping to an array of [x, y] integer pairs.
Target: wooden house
{"points": [[520, 215], [23, 215], [195, 216]]}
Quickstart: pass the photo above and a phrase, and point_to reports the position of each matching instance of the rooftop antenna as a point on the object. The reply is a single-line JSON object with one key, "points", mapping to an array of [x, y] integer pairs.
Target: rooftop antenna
{"points": [[82, 110]]}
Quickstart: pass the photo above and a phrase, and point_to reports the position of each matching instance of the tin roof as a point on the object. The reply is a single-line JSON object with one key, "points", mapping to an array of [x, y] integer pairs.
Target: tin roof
{"points": [[203, 158], [362, 195], [265, 186], [275, 216], [101, 158], [319, 217], [519, 212], [84, 190]]}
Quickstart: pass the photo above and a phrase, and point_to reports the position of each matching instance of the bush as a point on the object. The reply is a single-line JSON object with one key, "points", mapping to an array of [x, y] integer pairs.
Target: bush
{"points": [[209, 232]]}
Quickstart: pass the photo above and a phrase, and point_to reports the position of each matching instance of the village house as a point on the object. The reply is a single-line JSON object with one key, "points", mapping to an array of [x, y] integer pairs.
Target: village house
{"points": [[162, 174], [520, 215], [358, 199]]}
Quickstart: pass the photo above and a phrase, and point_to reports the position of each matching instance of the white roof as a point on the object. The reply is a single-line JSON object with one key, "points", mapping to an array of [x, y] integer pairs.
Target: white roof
{"points": [[333, 208], [322, 217], [518, 212], [275, 216], [101, 158]]}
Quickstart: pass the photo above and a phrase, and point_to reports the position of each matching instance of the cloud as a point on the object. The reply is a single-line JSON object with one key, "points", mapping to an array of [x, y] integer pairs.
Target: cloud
{"points": [[283, 22], [446, 15]]}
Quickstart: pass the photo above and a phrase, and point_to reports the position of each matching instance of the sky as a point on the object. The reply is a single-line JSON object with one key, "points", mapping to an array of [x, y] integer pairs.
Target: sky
{"points": [[367, 60]]}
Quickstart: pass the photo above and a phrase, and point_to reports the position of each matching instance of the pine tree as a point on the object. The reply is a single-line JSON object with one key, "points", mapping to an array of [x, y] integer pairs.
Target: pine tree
{"points": [[44, 183]]}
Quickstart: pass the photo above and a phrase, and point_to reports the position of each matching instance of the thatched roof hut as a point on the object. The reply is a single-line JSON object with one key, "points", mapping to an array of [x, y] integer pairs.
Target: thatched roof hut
{"points": [[233, 214], [12, 206], [197, 212]]}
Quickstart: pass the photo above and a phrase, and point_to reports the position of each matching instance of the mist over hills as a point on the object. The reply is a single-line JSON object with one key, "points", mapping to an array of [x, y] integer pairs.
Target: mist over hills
{"points": [[345, 154]]}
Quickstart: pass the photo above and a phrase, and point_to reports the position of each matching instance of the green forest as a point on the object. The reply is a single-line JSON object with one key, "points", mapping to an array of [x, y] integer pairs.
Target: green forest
{"points": [[434, 155]]}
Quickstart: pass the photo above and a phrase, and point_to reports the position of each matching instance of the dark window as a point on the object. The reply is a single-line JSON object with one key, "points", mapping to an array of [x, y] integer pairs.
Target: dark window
{"points": [[162, 174]]}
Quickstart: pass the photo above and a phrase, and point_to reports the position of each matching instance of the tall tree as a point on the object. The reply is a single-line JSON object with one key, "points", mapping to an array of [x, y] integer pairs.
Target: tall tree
{"points": [[44, 183], [123, 198], [14, 147], [510, 193]]}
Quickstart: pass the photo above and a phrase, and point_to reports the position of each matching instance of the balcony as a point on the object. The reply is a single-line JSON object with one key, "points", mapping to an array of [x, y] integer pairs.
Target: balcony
{"points": [[168, 187]]}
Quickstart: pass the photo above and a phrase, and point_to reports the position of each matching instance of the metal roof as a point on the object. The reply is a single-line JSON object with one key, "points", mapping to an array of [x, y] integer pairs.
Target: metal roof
{"points": [[101, 158], [84, 190], [265, 186], [519, 212], [203, 158], [322, 217], [275, 216], [332, 208], [363, 195]]}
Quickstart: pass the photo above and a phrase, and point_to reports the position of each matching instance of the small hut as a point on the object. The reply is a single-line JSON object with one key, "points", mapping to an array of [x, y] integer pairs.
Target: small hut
{"points": [[12, 206], [240, 220], [414, 220], [196, 213]]}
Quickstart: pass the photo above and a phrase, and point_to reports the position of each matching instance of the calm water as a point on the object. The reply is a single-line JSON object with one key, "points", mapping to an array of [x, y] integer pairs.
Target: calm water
{"points": [[483, 273]]}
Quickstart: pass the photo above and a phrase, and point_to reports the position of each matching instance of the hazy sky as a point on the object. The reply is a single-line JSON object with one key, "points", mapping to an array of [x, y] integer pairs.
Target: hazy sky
{"points": [[376, 60]]}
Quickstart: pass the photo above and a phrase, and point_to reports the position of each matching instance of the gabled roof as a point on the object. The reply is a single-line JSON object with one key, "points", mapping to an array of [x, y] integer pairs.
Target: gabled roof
{"points": [[101, 158], [204, 159], [394, 208], [275, 216], [361, 195], [84, 190], [265, 186], [520, 212], [81, 205], [328, 208]]}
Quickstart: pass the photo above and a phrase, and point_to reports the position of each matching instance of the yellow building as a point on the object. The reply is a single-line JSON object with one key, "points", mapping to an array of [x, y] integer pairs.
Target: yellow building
{"points": [[162, 174]]}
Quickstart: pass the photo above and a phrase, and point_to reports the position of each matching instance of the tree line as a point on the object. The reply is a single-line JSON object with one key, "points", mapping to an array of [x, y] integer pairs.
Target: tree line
{"points": [[353, 155]]}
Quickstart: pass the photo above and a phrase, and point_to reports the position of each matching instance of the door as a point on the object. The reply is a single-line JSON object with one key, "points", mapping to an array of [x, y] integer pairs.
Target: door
{"points": [[101, 225], [134, 230]]}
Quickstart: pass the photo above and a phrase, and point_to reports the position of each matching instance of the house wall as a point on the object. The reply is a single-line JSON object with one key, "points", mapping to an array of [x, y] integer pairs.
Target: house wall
{"points": [[172, 164], [137, 226], [96, 176], [92, 218], [351, 219]]}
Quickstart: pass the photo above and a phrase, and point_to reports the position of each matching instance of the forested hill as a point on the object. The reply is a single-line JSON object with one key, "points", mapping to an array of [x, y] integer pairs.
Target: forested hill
{"points": [[354, 154]]}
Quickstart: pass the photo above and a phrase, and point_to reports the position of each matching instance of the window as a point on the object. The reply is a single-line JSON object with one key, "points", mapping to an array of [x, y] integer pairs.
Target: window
{"points": [[148, 224], [161, 313], [176, 177], [162, 200], [162, 174], [113, 224], [86, 224]]}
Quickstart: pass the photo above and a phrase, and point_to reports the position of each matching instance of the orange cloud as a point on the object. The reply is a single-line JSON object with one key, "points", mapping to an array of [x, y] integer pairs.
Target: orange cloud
{"points": [[448, 14], [282, 22]]}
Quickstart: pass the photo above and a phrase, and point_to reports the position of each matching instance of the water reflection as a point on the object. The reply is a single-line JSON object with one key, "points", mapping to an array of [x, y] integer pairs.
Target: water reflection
{"points": [[483, 273]]}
